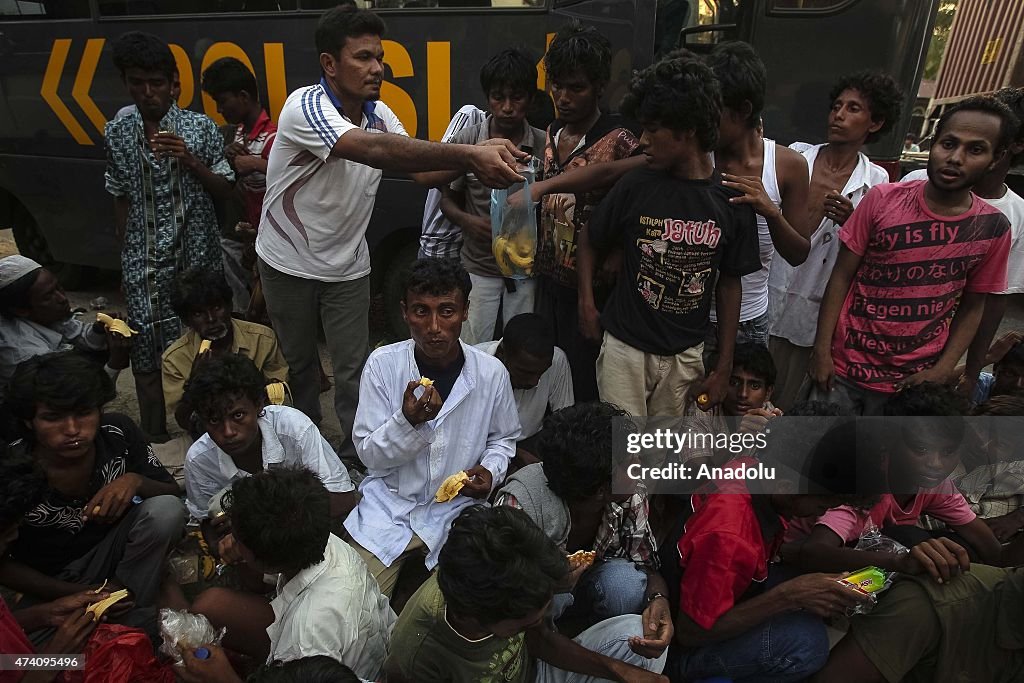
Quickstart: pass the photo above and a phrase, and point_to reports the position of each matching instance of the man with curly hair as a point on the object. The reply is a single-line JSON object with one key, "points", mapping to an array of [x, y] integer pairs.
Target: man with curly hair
{"points": [[863, 107], [915, 265], [164, 167], [680, 231]]}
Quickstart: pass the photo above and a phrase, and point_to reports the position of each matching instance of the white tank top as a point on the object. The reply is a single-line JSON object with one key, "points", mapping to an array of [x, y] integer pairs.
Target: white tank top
{"points": [[755, 285]]}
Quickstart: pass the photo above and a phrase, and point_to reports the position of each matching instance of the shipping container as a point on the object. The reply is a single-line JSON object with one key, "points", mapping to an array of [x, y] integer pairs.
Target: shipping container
{"points": [[984, 52]]}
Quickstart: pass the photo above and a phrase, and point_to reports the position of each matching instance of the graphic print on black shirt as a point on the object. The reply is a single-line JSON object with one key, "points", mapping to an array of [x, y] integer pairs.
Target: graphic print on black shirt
{"points": [[676, 235]]}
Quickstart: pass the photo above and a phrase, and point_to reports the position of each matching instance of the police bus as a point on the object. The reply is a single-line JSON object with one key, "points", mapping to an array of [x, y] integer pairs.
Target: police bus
{"points": [[58, 86]]}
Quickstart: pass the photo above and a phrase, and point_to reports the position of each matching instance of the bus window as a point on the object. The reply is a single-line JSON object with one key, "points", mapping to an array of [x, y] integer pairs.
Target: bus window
{"points": [[472, 4], [807, 4], [44, 9], [122, 8], [696, 24]]}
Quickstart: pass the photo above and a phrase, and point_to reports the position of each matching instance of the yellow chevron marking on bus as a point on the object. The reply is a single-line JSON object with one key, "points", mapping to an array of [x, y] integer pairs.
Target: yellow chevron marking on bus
{"points": [[83, 82], [51, 81]]}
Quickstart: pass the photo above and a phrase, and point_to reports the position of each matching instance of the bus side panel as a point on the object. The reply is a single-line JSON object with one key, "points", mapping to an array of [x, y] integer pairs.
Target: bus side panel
{"points": [[885, 35]]}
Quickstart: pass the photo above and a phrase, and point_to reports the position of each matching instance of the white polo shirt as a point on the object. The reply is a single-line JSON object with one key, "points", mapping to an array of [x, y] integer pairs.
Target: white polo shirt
{"points": [[317, 207]]}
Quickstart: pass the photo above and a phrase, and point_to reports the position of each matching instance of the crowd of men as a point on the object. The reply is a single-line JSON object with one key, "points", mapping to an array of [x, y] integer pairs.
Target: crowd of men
{"points": [[687, 266]]}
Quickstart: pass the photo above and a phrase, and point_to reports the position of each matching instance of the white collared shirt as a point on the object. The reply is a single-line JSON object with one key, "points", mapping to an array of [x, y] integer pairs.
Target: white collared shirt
{"points": [[554, 389], [21, 339], [333, 608], [794, 293], [477, 425], [289, 438]]}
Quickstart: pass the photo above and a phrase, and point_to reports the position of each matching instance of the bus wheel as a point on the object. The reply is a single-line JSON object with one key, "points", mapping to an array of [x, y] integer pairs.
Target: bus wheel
{"points": [[392, 288], [32, 243]]}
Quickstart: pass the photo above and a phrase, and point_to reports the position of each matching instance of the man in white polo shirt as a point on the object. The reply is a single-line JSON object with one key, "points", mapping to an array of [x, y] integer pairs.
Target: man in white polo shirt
{"points": [[322, 178]]}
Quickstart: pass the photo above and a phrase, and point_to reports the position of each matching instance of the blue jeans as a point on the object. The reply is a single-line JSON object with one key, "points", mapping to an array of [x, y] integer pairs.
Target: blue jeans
{"points": [[611, 639], [788, 647], [608, 589], [753, 331]]}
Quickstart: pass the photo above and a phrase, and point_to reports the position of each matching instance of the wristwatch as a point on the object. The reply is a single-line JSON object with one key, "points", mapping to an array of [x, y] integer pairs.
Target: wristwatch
{"points": [[654, 596]]}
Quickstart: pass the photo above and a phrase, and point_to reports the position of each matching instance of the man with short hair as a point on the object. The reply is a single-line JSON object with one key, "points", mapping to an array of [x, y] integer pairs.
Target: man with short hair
{"points": [[481, 617], [323, 174], [412, 435], [917, 260], [863, 107], [540, 375], [202, 299], [36, 319], [509, 81], [164, 166]]}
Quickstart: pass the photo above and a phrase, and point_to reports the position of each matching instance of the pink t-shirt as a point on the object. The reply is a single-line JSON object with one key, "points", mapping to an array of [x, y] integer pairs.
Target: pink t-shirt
{"points": [[944, 502], [896, 316]]}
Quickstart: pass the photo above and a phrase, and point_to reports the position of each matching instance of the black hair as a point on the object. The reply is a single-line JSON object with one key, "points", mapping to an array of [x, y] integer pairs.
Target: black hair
{"points": [[1006, 405], [64, 381], [575, 446], [1009, 123], [883, 95], [1014, 356], [314, 669], [510, 69], [138, 50], [340, 23], [198, 289], [435, 277], [927, 399], [579, 48], [1014, 99], [541, 111], [228, 74], [282, 515], [814, 409], [497, 564], [741, 76], [22, 485], [680, 93], [219, 381], [18, 294], [756, 360], [528, 333]]}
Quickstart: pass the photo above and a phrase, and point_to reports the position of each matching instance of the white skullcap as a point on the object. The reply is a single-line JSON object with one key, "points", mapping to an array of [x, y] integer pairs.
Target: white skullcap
{"points": [[14, 267]]}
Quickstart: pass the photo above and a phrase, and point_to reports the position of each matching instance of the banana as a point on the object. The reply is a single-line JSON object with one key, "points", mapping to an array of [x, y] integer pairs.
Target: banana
{"points": [[98, 608], [581, 558], [451, 486], [426, 382], [115, 325], [204, 346], [514, 255], [277, 392]]}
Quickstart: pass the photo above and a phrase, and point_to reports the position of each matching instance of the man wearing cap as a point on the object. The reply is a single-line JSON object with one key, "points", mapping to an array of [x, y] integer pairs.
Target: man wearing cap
{"points": [[35, 319]]}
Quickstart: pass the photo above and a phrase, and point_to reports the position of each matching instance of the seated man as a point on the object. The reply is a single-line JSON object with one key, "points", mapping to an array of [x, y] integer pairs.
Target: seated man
{"points": [[569, 496], [747, 406], [35, 318], [327, 602], [718, 567], [465, 421], [481, 616], [540, 374], [244, 436], [968, 629], [110, 510], [202, 299], [919, 454]]}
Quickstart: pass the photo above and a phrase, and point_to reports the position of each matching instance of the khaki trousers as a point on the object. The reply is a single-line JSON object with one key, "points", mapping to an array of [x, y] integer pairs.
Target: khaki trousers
{"points": [[387, 577], [646, 383]]}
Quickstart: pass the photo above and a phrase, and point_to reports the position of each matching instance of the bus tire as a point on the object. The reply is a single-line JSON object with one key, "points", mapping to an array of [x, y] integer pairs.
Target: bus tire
{"points": [[392, 289], [32, 244]]}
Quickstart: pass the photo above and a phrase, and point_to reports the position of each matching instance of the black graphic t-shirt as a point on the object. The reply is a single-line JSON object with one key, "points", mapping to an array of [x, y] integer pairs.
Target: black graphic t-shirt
{"points": [[52, 534], [676, 236]]}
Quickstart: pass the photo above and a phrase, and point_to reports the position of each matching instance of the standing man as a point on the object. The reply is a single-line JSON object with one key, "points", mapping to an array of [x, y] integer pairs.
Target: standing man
{"points": [[164, 165], [916, 262], [322, 177], [864, 106]]}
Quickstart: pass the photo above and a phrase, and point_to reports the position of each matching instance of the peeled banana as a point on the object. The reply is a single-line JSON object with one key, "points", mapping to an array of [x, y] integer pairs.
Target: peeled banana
{"points": [[451, 486], [514, 255], [115, 325], [97, 609], [277, 392], [204, 346]]}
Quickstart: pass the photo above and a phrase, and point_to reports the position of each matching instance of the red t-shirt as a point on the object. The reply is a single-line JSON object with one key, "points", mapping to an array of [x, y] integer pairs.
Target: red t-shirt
{"points": [[258, 141], [13, 641], [895, 319], [726, 546]]}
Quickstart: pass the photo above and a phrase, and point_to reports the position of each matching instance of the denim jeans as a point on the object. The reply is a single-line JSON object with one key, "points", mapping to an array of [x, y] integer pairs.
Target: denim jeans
{"points": [[608, 589], [788, 647], [611, 639], [753, 331]]}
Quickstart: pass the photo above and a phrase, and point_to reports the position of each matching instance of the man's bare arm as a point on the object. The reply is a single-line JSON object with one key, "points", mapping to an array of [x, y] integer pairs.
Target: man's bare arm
{"points": [[791, 235], [587, 178]]}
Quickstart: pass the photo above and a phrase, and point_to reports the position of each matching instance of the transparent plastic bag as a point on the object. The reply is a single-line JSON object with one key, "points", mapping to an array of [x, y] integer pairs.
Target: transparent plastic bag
{"points": [[872, 540], [514, 228], [183, 629]]}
